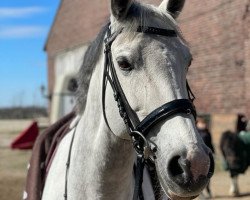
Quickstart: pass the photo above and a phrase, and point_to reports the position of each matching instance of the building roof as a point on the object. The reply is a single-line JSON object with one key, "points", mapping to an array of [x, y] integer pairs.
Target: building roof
{"points": [[78, 22]]}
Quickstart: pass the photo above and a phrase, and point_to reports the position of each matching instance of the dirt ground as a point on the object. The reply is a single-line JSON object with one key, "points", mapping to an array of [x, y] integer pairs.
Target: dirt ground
{"points": [[13, 171], [220, 184]]}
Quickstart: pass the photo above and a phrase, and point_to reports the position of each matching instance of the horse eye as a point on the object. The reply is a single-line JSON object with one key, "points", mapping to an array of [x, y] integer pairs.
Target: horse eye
{"points": [[124, 65]]}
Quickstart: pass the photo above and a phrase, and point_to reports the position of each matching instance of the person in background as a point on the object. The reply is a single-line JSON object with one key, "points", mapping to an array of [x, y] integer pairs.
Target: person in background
{"points": [[202, 128], [241, 124], [205, 133]]}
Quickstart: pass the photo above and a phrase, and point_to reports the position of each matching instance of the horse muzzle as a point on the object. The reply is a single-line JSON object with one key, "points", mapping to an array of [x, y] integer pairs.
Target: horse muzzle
{"points": [[188, 175]]}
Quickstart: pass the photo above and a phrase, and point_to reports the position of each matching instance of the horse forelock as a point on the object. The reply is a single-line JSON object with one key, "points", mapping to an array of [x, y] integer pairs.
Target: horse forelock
{"points": [[140, 14]]}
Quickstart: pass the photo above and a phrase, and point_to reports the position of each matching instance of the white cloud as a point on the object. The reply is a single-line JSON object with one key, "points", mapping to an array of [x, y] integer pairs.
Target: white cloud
{"points": [[9, 12], [13, 32]]}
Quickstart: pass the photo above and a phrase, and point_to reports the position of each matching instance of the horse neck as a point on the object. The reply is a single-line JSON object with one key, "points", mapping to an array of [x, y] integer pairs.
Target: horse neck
{"points": [[102, 163]]}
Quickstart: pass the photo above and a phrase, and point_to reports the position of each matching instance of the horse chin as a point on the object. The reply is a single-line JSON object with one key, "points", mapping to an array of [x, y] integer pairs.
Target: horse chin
{"points": [[174, 196], [175, 192]]}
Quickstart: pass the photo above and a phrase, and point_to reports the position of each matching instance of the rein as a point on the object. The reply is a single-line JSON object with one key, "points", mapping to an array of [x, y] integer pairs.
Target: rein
{"points": [[138, 130]]}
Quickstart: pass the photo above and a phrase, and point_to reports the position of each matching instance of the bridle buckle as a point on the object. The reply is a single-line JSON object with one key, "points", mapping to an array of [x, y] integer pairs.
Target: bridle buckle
{"points": [[189, 112], [141, 144]]}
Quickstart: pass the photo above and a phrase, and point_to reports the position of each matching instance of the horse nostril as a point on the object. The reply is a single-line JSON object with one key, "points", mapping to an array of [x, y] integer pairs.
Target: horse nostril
{"points": [[174, 166], [179, 168], [191, 172]]}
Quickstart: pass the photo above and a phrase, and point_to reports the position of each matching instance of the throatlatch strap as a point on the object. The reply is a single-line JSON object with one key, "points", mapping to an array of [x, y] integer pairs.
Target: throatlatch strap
{"points": [[130, 118]]}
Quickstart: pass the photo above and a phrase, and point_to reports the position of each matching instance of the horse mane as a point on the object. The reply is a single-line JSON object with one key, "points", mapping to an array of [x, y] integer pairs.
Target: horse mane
{"points": [[85, 73], [138, 15]]}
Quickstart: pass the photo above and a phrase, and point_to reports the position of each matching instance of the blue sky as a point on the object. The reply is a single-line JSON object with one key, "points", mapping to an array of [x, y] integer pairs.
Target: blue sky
{"points": [[24, 26]]}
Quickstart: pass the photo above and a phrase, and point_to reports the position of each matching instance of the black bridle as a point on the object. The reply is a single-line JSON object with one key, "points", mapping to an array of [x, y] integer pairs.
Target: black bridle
{"points": [[138, 130]]}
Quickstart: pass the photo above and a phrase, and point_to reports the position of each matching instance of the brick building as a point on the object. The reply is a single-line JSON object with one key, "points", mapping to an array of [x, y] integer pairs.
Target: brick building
{"points": [[219, 36], [218, 32]]}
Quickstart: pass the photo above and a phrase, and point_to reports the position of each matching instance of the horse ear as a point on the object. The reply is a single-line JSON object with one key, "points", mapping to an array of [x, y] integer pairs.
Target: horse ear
{"points": [[174, 7], [120, 8]]}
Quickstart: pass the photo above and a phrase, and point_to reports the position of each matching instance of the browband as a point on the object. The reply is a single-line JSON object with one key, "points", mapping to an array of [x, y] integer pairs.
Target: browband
{"points": [[157, 31], [143, 29]]}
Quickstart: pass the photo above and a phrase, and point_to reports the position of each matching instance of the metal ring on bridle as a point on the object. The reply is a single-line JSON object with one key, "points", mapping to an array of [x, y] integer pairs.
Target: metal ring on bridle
{"points": [[141, 148]]}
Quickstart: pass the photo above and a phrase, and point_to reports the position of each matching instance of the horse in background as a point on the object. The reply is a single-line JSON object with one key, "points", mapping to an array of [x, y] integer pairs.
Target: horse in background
{"points": [[235, 148]]}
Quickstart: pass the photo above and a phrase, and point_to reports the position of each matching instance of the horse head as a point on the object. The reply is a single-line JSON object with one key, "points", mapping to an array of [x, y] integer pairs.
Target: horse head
{"points": [[152, 70]]}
